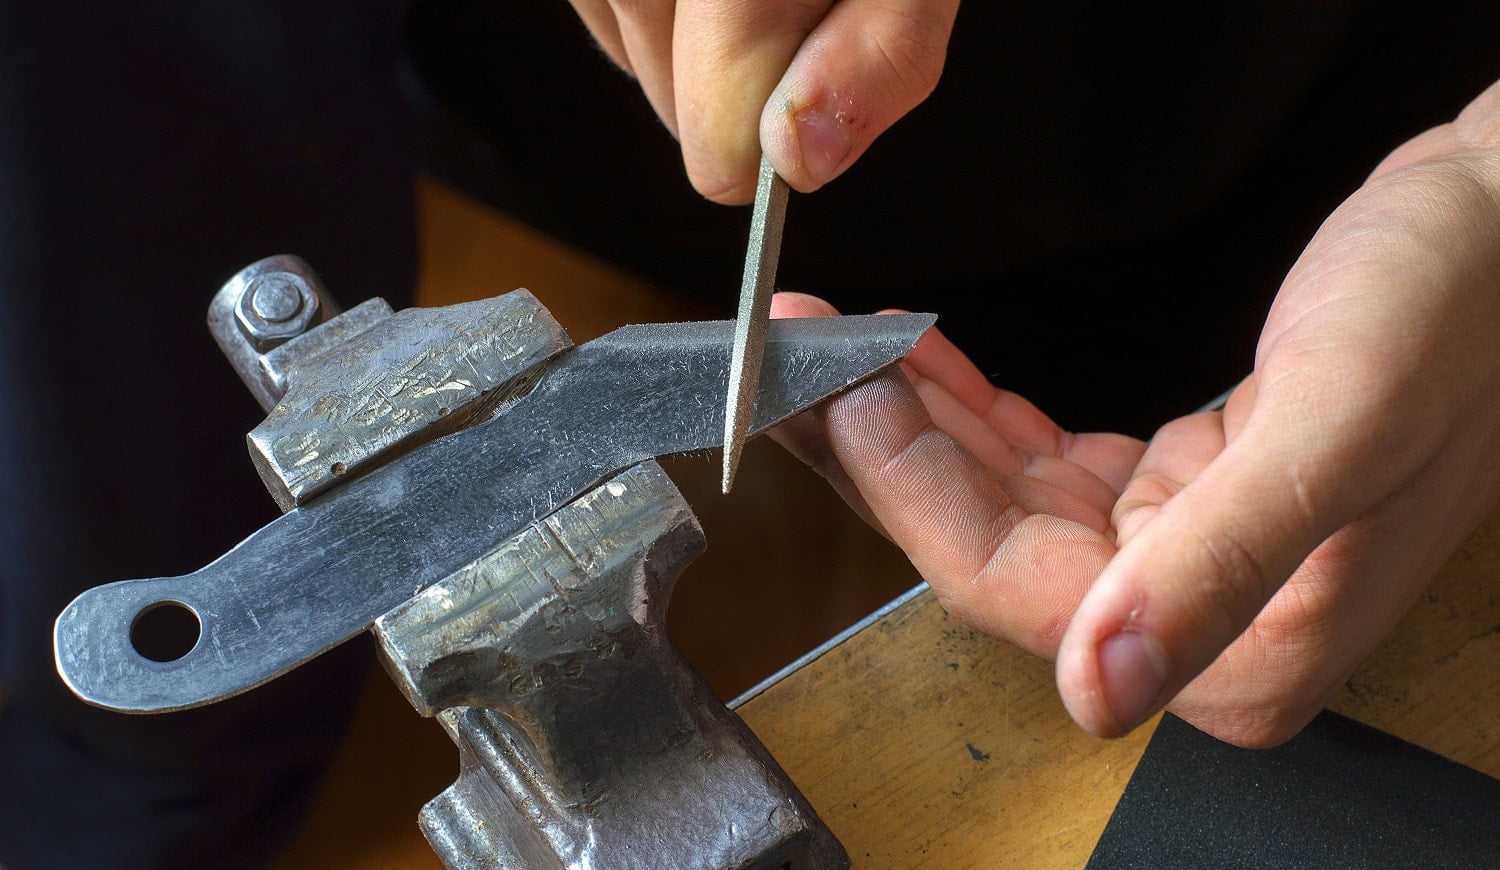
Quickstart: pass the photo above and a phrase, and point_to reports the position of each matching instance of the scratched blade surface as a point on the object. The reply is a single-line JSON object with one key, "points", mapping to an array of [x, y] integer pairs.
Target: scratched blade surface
{"points": [[322, 573], [754, 313]]}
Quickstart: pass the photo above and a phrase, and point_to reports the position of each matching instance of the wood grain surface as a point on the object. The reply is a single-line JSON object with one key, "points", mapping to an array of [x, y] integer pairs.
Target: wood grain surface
{"points": [[925, 744]]}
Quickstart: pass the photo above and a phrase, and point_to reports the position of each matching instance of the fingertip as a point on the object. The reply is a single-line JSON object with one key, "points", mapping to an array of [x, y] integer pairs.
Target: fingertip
{"points": [[720, 149], [1113, 684], [1113, 670], [1078, 686], [808, 141], [1133, 673], [1138, 504], [859, 71], [720, 181], [727, 61], [1182, 588], [790, 304]]}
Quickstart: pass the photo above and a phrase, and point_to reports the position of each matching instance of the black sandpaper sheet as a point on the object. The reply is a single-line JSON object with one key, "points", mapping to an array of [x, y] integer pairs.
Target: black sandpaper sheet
{"points": [[1340, 794]]}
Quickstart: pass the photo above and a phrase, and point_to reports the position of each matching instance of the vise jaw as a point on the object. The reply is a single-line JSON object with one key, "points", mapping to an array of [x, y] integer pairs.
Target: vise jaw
{"points": [[586, 739], [483, 496]]}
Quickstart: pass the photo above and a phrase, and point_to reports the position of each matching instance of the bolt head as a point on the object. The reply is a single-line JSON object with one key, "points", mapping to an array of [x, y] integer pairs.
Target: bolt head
{"points": [[276, 307], [275, 299]]}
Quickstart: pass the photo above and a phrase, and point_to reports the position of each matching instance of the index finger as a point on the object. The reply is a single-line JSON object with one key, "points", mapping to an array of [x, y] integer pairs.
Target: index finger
{"points": [[809, 83], [727, 56]]}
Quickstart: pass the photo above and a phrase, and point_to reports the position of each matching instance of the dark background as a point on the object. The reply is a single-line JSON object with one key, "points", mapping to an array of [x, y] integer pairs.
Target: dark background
{"points": [[1099, 201]]}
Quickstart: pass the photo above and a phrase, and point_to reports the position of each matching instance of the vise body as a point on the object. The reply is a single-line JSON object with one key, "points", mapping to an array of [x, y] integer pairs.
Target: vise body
{"points": [[484, 497]]}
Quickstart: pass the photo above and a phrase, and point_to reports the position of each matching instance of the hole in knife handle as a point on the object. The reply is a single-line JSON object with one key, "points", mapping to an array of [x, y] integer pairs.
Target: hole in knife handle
{"points": [[166, 631]]}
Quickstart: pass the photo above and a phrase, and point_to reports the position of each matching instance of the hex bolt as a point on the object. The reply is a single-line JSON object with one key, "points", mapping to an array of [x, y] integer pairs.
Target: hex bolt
{"points": [[262, 307], [276, 306], [275, 298]]}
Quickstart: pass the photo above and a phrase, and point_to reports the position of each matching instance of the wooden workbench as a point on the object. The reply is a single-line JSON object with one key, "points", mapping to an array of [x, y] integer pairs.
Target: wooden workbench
{"points": [[921, 742]]}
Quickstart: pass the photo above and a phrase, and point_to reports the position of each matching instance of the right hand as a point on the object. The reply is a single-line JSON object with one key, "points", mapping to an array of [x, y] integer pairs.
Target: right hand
{"points": [[809, 83]]}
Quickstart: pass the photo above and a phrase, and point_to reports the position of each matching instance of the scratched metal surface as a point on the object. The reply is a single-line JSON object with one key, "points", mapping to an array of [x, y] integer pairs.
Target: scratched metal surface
{"points": [[587, 740], [323, 572], [413, 376]]}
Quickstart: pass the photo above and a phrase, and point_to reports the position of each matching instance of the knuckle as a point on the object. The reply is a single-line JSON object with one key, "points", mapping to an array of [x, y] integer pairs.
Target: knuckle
{"points": [[1262, 724], [1238, 583], [913, 45], [722, 191], [714, 183], [1151, 489], [642, 10], [1267, 686]]}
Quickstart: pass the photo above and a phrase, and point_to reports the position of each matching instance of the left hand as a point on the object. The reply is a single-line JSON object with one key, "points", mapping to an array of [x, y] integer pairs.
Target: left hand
{"points": [[1238, 567]]}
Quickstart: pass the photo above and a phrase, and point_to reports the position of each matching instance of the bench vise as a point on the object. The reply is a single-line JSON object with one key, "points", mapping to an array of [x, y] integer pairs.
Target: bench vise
{"points": [[484, 497]]}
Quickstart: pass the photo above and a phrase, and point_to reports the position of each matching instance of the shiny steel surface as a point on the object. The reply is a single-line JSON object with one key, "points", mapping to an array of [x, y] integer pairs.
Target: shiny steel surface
{"points": [[327, 569], [411, 377], [482, 494], [586, 739]]}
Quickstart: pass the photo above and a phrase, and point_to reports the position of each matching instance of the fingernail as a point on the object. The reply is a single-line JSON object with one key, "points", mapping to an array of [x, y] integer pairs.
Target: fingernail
{"points": [[824, 141], [1132, 672]]}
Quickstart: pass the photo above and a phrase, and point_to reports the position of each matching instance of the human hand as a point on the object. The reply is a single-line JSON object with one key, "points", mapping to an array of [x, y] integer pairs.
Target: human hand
{"points": [[811, 83], [1238, 567]]}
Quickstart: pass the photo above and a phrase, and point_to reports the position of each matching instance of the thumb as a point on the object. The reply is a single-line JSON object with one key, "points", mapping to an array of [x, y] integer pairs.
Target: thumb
{"points": [[867, 64], [1198, 570]]}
